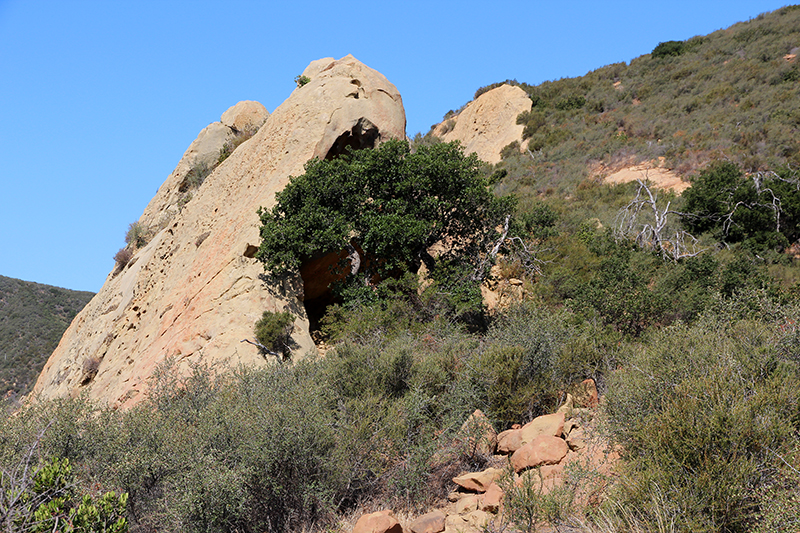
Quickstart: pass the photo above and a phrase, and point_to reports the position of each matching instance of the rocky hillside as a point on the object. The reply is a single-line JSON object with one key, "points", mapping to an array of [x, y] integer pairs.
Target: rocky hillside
{"points": [[32, 319], [729, 95], [668, 321], [187, 286]]}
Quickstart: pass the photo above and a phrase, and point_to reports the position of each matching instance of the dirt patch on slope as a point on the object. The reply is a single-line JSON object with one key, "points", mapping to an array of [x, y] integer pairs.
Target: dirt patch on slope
{"points": [[652, 171]]}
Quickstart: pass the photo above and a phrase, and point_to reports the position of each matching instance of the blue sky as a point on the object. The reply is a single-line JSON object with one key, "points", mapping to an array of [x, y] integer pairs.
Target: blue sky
{"points": [[99, 99]]}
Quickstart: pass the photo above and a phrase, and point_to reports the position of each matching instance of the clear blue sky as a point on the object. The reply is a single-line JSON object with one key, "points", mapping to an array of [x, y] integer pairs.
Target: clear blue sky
{"points": [[99, 99]]}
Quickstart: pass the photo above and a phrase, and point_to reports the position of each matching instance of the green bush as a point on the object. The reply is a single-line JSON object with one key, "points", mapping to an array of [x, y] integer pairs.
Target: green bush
{"points": [[301, 80], [667, 49], [274, 331], [389, 205], [528, 503], [533, 121], [520, 374], [137, 235], [197, 175], [762, 212], [571, 102], [48, 501]]}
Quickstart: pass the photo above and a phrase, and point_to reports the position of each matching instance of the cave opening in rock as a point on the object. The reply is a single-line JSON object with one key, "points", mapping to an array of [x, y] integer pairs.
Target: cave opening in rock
{"points": [[318, 274], [364, 134], [315, 311]]}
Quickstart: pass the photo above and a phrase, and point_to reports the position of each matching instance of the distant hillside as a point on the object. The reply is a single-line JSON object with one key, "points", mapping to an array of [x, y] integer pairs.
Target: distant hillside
{"points": [[32, 319], [730, 95]]}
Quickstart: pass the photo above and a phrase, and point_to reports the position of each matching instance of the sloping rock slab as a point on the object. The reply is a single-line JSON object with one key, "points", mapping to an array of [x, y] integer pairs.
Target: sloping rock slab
{"points": [[543, 450]]}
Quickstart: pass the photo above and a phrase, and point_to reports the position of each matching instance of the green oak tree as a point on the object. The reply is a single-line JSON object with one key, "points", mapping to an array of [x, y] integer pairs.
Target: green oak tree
{"points": [[386, 207], [762, 210]]}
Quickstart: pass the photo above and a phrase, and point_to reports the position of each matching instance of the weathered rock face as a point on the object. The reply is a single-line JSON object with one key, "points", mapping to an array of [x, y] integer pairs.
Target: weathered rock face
{"points": [[243, 119], [195, 291], [489, 123]]}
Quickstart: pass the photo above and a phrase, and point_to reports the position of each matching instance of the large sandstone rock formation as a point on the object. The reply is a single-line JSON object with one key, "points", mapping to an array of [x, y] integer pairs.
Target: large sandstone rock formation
{"points": [[195, 291], [488, 123], [243, 119]]}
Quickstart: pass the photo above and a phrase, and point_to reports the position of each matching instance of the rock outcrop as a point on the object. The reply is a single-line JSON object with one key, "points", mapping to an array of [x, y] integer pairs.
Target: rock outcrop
{"points": [[489, 123], [194, 291], [566, 462], [238, 122]]}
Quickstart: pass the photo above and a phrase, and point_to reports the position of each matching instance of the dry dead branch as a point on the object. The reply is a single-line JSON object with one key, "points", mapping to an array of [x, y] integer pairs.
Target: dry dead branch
{"points": [[649, 226]]}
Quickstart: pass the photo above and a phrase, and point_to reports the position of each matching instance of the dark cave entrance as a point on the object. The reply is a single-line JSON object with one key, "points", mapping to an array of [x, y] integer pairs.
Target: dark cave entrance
{"points": [[318, 274], [364, 134]]}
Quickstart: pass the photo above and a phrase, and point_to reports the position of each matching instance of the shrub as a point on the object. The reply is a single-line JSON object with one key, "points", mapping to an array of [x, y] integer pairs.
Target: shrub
{"points": [[699, 412], [527, 502], [448, 126], [228, 148], [761, 212], [123, 257], [487, 88], [49, 501], [274, 330], [386, 207], [620, 291], [137, 235], [89, 369], [510, 150], [571, 102], [197, 175], [301, 80], [533, 121], [537, 220], [667, 49], [519, 374]]}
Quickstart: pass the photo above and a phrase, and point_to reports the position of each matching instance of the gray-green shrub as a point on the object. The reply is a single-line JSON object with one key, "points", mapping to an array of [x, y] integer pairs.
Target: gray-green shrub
{"points": [[701, 412]]}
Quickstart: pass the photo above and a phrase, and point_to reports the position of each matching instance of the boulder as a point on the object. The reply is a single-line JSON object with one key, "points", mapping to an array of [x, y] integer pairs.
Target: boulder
{"points": [[369, 107], [473, 522], [570, 424], [543, 450], [478, 519], [488, 123], [567, 407], [432, 522], [379, 522], [245, 117], [511, 440], [467, 504], [479, 433], [455, 523], [550, 425], [189, 298], [586, 394], [490, 500], [478, 481], [544, 478], [577, 440]]}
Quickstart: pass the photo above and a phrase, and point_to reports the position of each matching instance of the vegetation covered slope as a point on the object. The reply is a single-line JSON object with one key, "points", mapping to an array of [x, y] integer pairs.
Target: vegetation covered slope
{"points": [[731, 95], [32, 319], [696, 353]]}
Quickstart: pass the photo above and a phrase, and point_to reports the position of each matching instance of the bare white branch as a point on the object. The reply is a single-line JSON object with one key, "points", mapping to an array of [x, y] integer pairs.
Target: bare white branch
{"points": [[648, 225]]}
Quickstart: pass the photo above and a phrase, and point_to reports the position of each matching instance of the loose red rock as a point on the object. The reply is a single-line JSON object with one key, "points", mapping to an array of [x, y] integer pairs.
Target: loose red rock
{"points": [[379, 522]]}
